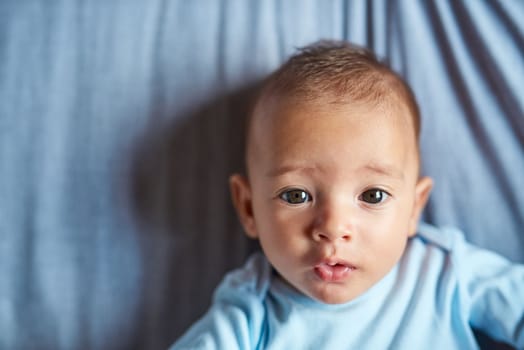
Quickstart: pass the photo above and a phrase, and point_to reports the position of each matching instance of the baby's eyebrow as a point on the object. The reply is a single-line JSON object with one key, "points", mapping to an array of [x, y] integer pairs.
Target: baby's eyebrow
{"points": [[383, 169], [288, 169]]}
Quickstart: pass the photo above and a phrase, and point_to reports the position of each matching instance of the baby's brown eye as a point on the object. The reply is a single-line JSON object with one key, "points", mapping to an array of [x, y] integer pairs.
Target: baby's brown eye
{"points": [[295, 196], [374, 196]]}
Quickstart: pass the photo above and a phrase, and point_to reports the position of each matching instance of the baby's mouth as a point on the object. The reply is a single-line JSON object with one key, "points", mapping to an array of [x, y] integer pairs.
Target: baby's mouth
{"points": [[331, 271]]}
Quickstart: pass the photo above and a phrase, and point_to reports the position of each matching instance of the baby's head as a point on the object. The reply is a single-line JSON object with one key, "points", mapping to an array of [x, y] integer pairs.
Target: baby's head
{"points": [[332, 188]]}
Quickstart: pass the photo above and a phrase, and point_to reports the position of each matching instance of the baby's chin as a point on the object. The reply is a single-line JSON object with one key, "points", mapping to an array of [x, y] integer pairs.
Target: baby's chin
{"points": [[333, 294], [334, 299]]}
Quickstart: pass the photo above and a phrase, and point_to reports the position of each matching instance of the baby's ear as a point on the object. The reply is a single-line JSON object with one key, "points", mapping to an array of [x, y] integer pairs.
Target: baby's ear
{"points": [[422, 191], [242, 201]]}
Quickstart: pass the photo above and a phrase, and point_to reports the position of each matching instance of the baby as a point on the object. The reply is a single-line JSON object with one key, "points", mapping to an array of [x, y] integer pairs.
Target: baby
{"points": [[333, 194]]}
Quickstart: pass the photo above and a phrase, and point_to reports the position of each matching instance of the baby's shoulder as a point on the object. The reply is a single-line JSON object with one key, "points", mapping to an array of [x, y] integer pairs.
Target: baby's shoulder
{"points": [[444, 238], [250, 281]]}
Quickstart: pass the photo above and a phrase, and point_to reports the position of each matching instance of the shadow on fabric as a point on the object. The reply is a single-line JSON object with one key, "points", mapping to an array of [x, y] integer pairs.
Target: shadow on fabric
{"points": [[180, 194]]}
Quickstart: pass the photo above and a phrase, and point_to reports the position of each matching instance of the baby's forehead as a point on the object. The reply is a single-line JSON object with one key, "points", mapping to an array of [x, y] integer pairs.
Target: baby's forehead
{"points": [[332, 140], [278, 118]]}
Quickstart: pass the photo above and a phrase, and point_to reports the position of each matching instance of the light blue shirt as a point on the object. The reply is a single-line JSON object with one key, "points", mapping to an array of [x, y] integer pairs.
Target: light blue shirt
{"points": [[441, 288]]}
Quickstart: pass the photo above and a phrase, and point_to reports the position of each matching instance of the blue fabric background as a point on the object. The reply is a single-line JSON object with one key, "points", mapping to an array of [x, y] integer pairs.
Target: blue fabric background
{"points": [[121, 120]]}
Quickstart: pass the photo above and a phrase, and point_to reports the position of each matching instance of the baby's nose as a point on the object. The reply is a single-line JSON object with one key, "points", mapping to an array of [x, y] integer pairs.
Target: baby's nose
{"points": [[332, 235], [333, 224]]}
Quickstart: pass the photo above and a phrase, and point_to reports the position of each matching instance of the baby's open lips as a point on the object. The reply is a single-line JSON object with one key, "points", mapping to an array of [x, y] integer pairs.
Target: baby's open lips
{"points": [[333, 270]]}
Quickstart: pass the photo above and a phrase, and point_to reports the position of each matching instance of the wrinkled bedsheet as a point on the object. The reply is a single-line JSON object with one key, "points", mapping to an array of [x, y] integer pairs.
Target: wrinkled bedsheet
{"points": [[120, 122]]}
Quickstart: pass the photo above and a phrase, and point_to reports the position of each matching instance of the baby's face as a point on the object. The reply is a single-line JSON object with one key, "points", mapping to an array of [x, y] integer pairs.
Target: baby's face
{"points": [[333, 194]]}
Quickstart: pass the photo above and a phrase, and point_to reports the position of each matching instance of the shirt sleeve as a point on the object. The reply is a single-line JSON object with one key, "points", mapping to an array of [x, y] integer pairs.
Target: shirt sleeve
{"points": [[224, 326], [236, 318], [494, 292]]}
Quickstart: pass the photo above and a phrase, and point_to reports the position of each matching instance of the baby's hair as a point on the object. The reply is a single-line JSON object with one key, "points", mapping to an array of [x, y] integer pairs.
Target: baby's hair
{"points": [[342, 73]]}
